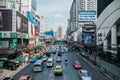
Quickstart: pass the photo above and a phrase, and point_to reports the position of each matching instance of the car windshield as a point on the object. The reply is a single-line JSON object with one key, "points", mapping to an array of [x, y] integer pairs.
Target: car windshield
{"points": [[84, 74], [58, 68], [76, 62]]}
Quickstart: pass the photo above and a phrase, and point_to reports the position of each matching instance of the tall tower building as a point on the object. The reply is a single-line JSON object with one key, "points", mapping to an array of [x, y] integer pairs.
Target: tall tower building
{"points": [[59, 33]]}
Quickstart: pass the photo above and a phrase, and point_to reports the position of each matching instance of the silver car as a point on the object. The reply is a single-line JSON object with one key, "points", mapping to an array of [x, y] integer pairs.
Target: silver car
{"points": [[58, 59], [84, 75]]}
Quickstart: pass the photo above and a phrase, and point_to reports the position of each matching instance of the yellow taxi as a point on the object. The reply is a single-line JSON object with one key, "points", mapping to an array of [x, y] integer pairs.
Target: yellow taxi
{"points": [[58, 70]]}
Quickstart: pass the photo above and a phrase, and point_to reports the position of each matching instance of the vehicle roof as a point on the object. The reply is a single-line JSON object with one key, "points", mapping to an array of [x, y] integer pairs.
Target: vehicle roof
{"points": [[58, 66], [83, 70], [50, 59], [77, 62], [38, 62], [24, 77]]}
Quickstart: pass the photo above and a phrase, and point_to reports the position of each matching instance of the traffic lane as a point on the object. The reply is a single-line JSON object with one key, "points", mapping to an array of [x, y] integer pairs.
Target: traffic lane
{"points": [[26, 70], [69, 73], [96, 75]]}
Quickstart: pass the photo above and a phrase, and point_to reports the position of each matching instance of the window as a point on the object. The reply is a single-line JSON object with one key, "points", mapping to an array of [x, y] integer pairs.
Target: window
{"points": [[4, 44]]}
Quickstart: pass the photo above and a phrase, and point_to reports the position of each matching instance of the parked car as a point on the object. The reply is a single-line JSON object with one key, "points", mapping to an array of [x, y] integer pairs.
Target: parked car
{"points": [[11, 64], [84, 75], [33, 60], [76, 64], [58, 70], [25, 77]]}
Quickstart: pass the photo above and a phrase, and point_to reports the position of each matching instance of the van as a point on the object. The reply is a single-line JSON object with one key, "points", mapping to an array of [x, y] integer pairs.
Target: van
{"points": [[50, 62], [38, 66]]}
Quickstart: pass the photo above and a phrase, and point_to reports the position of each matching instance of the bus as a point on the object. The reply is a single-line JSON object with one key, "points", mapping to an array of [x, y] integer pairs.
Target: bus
{"points": [[38, 66]]}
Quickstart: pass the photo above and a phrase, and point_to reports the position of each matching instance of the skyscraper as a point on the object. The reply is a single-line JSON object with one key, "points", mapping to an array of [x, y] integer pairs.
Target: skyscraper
{"points": [[60, 33]]}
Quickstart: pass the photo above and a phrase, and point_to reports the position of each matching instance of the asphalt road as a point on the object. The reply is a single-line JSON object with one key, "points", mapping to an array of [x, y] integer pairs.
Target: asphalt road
{"points": [[69, 73]]}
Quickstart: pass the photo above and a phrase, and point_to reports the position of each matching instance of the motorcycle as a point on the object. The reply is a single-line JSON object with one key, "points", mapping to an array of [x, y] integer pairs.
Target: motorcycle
{"points": [[66, 62]]}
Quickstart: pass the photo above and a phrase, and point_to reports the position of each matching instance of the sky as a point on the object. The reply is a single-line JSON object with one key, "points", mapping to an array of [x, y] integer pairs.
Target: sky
{"points": [[56, 12]]}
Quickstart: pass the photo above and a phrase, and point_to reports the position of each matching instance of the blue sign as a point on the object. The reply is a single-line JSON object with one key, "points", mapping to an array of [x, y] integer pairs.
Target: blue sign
{"points": [[87, 15], [30, 17], [50, 33]]}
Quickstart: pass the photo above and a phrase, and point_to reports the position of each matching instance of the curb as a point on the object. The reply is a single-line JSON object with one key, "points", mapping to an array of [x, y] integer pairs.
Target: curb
{"points": [[97, 69]]}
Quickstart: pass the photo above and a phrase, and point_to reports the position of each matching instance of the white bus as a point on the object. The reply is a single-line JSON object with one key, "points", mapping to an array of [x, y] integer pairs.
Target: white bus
{"points": [[38, 65], [50, 62]]}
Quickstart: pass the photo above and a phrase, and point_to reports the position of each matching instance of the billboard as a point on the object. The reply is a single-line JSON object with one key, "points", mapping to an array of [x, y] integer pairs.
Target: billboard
{"points": [[21, 23], [5, 20], [88, 38], [36, 31], [87, 15]]}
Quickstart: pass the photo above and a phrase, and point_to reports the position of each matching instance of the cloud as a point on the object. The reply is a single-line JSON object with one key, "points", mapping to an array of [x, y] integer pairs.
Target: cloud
{"points": [[58, 16]]}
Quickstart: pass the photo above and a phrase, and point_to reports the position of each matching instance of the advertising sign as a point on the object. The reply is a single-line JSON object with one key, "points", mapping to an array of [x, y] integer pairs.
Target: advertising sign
{"points": [[5, 20], [22, 23], [87, 15], [88, 38]]}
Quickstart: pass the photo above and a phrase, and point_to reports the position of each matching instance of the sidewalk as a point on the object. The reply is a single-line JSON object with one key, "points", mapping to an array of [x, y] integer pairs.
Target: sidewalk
{"points": [[8, 73], [110, 69]]}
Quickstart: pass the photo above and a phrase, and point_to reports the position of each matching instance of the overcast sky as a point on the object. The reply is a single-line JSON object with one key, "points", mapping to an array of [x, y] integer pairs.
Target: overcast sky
{"points": [[56, 11]]}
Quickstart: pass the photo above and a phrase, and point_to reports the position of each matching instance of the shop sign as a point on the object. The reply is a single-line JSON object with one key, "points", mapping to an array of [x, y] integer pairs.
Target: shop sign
{"points": [[13, 43], [5, 35]]}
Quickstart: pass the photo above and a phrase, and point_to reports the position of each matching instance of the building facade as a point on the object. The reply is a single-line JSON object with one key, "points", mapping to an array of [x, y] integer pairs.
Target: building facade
{"points": [[82, 13], [17, 25], [108, 27]]}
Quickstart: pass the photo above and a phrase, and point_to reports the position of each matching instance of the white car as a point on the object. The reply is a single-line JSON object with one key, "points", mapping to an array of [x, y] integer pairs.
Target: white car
{"points": [[44, 58], [58, 59], [84, 75]]}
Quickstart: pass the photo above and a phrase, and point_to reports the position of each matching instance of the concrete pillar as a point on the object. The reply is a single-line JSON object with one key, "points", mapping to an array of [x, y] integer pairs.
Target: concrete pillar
{"points": [[105, 45], [114, 36]]}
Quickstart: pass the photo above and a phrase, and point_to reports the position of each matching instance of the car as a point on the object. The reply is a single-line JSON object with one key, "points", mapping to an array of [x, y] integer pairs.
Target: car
{"points": [[76, 64], [59, 53], [58, 70], [44, 58], [84, 75], [25, 77], [48, 53], [11, 64], [58, 59], [54, 51], [33, 60]]}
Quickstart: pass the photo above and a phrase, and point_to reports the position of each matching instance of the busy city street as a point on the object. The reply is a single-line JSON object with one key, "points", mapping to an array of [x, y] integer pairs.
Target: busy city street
{"points": [[59, 39], [69, 73]]}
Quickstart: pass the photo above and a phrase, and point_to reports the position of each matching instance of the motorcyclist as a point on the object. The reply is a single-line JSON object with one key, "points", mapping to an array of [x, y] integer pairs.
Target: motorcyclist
{"points": [[66, 61]]}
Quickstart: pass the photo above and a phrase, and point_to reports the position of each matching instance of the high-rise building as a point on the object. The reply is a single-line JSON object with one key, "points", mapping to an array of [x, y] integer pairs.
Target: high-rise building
{"points": [[78, 5], [59, 32]]}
